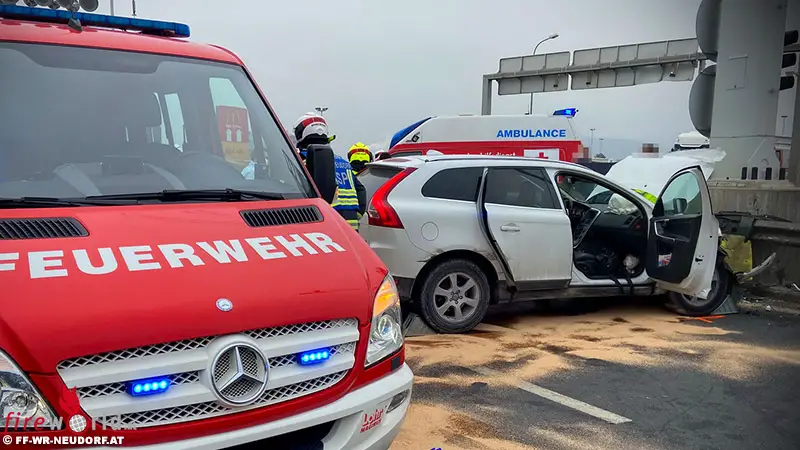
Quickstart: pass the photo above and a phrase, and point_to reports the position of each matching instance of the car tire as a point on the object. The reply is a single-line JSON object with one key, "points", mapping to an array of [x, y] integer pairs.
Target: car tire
{"points": [[454, 284], [720, 289]]}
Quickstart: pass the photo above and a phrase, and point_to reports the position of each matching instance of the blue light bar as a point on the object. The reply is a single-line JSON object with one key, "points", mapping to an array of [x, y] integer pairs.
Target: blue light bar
{"points": [[152, 386], [95, 20], [314, 357], [569, 112]]}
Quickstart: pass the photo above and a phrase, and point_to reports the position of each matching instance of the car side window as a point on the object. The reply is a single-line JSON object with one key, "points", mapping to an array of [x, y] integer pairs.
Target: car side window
{"points": [[528, 187], [454, 184]]}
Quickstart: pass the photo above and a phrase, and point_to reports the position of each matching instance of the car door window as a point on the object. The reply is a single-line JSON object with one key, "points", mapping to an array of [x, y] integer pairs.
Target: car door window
{"points": [[596, 195], [454, 184], [528, 187], [682, 196]]}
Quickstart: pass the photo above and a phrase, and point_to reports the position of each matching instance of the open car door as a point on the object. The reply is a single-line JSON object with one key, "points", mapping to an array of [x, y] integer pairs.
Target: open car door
{"points": [[684, 235]]}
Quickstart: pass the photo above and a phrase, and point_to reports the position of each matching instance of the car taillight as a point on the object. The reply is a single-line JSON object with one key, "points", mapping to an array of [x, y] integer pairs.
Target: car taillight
{"points": [[380, 212]]}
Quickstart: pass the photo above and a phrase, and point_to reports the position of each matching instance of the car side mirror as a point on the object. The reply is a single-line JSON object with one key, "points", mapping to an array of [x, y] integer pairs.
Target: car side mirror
{"points": [[320, 164], [679, 205]]}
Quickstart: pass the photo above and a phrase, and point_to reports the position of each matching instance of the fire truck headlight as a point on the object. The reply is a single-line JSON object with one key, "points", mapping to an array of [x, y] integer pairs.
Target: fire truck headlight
{"points": [[386, 336], [21, 404]]}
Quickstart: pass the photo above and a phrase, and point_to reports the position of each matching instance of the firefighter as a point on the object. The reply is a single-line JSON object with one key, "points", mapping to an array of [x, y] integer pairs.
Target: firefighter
{"points": [[351, 198], [359, 155]]}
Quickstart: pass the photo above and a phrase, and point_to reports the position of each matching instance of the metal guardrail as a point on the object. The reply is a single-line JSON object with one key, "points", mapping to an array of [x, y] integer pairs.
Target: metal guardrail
{"points": [[771, 229]]}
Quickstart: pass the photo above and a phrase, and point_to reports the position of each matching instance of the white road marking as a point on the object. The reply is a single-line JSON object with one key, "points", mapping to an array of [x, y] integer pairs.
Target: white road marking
{"points": [[569, 402]]}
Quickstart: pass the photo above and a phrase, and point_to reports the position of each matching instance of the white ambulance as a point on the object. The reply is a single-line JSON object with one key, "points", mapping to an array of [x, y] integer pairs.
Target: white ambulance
{"points": [[537, 136]]}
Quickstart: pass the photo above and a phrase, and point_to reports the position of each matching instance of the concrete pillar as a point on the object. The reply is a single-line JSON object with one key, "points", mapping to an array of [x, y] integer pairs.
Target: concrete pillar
{"points": [[747, 83]]}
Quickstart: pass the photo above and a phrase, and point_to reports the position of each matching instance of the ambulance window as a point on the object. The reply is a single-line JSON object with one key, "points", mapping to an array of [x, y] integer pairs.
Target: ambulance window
{"points": [[454, 184]]}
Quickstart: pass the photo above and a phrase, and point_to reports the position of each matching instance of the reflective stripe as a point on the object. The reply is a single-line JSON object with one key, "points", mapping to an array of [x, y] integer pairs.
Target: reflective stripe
{"points": [[650, 197], [354, 224], [347, 200]]}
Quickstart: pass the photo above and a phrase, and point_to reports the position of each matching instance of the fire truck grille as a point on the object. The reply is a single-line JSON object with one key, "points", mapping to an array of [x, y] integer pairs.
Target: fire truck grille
{"points": [[206, 410], [194, 366], [190, 344]]}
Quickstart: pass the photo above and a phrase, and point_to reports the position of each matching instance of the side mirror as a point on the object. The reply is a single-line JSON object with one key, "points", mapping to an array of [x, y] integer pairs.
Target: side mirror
{"points": [[679, 205], [321, 166]]}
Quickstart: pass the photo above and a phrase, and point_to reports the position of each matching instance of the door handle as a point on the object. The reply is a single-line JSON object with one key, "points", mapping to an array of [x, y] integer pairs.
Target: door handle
{"points": [[658, 230], [509, 227]]}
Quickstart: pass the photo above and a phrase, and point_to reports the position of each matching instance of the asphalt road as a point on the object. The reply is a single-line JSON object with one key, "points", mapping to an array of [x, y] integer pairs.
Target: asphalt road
{"points": [[624, 377]]}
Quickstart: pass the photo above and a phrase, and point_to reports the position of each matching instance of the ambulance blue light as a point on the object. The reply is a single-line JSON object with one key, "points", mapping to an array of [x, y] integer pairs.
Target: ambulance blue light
{"points": [[570, 112], [96, 20], [314, 357], [148, 387]]}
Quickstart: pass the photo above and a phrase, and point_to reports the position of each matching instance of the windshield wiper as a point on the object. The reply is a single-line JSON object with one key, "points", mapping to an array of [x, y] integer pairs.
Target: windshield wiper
{"points": [[48, 202], [229, 195]]}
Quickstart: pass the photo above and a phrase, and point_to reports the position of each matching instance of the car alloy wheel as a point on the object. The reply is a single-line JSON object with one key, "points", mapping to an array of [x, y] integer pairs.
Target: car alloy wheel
{"points": [[456, 297]]}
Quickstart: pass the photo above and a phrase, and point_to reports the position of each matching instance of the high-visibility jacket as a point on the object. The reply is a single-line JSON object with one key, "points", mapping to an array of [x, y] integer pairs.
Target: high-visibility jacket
{"points": [[346, 202], [650, 197]]}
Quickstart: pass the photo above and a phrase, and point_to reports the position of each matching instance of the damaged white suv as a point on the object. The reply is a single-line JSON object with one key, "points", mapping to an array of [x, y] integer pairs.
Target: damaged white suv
{"points": [[462, 232]]}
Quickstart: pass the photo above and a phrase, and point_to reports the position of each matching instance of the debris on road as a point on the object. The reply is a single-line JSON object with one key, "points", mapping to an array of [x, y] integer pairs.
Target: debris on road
{"points": [[432, 426], [772, 299], [531, 347], [460, 379]]}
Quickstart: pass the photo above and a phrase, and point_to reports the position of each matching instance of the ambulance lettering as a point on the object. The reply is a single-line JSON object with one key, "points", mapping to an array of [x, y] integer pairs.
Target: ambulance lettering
{"points": [[546, 133], [136, 258]]}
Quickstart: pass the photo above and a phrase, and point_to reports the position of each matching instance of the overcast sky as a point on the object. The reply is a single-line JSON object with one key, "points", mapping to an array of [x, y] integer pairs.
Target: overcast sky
{"points": [[381, 65]]}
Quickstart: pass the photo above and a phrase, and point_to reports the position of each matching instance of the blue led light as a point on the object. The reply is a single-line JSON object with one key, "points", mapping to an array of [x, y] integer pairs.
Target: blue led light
{"points": [[148, 387], [314, 356], [98, 20], [570, 112]]}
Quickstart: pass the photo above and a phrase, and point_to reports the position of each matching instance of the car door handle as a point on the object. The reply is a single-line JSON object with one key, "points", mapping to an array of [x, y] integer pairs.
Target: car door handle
{"points": [[509, 227], [658, 230]]}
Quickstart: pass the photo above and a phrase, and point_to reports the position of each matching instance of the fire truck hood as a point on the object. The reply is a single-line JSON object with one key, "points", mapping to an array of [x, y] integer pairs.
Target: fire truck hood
{"points": [[155, 273]]}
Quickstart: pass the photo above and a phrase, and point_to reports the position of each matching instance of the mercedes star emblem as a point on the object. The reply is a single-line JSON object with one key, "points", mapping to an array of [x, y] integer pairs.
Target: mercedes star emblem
{"points": [[224, 305], [239, 374]]}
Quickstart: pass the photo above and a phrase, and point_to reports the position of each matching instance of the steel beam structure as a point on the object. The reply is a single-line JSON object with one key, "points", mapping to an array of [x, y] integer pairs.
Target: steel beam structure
{"points": [[594, 68]]}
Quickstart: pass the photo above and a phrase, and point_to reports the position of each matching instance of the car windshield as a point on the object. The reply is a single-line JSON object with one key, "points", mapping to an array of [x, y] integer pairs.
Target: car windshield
{"points": [[80, 122]]}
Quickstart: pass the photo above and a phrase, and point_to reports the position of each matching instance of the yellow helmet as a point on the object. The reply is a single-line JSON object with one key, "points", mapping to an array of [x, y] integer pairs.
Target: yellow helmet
{"points": [[359, 148]]}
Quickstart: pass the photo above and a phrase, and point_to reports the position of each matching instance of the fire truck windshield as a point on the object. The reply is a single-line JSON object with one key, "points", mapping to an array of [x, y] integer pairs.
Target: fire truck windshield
{"points": [[79, 122]]}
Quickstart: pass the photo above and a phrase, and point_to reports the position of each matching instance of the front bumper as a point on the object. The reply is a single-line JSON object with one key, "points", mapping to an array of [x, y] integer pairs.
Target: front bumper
{"points": [[349, 414]]}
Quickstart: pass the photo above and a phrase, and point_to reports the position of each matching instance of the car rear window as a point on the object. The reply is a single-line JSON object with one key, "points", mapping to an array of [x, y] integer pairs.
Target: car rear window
{"points": [[374, 177]]}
